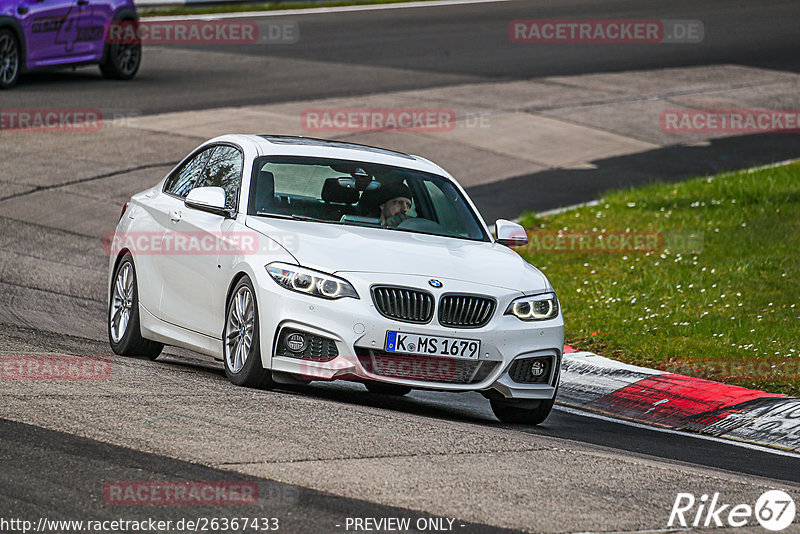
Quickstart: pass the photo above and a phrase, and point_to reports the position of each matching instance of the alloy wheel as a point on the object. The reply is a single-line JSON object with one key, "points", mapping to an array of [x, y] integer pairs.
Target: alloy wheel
{"points": [[9, 59], [128, 58], [121, 302], [239, 329]]}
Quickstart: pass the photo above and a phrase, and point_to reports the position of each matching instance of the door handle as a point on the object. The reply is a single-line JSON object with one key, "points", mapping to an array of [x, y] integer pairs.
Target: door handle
{"points": [[22, 10], [175, 215]]}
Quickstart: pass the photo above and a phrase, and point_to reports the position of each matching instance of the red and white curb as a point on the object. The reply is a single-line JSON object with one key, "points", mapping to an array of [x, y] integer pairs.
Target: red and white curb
{"points": [[601, 385]]}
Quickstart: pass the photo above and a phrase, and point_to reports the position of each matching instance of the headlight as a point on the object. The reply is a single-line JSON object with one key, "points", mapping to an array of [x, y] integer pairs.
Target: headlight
{"points": [[535, 308], [310, 282]]}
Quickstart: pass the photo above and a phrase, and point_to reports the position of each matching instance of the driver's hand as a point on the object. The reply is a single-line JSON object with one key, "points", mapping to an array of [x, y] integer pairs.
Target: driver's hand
{"points": [[395, 220]]}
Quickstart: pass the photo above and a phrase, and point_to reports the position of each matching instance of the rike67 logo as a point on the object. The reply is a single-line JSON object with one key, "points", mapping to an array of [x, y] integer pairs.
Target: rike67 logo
{"points": [[774, 510]]}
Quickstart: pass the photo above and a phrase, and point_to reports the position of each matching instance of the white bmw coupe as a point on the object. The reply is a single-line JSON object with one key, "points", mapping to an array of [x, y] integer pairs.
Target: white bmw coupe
{"points": [[294, 259]]}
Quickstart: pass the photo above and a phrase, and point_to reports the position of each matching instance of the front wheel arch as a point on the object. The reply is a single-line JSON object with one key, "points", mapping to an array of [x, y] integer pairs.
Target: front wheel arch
{"points": [[16, 29], [232, 285], [125, 13], [122, 253], [110, 66]]}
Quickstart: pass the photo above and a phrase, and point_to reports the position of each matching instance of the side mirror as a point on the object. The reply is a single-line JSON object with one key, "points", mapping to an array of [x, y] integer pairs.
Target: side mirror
{"points": [[510, 234], [210, 199]]}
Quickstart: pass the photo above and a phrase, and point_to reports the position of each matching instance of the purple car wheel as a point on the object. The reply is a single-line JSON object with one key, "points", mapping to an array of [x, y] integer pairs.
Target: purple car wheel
{"points": [[121, 61], [9, 59]]}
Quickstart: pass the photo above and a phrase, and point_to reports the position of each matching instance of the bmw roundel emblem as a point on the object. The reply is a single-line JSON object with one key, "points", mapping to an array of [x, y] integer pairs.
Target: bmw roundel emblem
{"points": [[435, 283]]}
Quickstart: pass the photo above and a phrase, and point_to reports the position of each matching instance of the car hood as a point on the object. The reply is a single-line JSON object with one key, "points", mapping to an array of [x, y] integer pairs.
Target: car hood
{"points": [[336, 249]]}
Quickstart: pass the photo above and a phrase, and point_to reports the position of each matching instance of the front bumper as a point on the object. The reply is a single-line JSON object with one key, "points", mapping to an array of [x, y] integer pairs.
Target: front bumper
{"points": [[359, 332]]}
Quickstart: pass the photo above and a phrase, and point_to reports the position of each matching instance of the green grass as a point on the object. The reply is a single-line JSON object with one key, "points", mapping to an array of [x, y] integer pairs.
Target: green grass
{"points": [[269, 6], [736, 298]]}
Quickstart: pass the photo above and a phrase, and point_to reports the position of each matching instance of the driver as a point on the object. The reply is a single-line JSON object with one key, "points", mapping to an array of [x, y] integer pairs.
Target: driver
{"points": [[394, 204]]}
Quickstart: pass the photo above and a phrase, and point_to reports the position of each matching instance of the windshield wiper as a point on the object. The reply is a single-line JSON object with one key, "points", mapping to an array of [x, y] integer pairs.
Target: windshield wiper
{"points": [[312, 219], [276, 215]]}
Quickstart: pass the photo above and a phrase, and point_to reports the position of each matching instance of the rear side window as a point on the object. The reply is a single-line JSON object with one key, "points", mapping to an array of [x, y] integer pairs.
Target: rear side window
{"points": [[183, 180], [224, 169]]}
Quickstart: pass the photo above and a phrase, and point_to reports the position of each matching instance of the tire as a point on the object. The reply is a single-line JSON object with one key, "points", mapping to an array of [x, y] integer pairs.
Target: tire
{"points": [[387, 389], [10, 59], [121, 61], [241, 340], [124, 331], [513, 413]]}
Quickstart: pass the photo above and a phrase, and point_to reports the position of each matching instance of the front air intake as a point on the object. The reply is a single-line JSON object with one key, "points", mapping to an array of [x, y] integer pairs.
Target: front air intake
{"points": [[425, 368], [304, 346]]}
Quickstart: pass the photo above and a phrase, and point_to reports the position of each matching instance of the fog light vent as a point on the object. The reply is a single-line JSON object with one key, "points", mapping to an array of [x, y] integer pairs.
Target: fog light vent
{"points": [[531, 370], [304, 346]]}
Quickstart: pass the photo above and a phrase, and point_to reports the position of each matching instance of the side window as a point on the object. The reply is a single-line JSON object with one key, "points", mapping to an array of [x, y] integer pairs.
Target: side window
{"points": [[183, 180], [224, 169]]}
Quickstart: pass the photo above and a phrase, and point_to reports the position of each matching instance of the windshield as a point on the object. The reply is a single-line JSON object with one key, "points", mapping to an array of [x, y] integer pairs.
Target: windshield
{"points": [[361, 194]]}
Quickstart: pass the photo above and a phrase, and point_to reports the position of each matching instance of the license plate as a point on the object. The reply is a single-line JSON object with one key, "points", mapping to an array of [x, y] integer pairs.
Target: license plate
{"points": [[453, 347]]}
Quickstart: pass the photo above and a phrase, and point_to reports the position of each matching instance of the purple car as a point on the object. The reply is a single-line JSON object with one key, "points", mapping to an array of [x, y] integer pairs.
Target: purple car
{"points": [[37, 34]]}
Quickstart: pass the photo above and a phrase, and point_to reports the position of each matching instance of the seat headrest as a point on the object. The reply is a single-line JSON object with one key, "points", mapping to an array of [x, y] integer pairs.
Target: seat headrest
{"points": [[368, 204], [333, 191]]}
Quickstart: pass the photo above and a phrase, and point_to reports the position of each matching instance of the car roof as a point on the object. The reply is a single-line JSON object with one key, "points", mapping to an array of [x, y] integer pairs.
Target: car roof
{"points": [[290, 145], [313, 141]]}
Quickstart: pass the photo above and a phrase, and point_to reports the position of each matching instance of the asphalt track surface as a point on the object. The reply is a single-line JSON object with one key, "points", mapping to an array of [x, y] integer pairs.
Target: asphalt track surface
{"points": [[48, 471], [77, 464]]}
